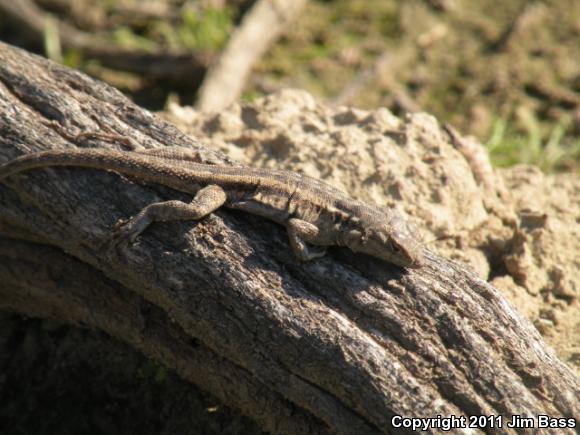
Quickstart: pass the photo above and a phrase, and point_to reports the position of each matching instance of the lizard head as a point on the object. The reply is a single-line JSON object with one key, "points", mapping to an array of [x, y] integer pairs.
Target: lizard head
{"points": [[390, 240]]}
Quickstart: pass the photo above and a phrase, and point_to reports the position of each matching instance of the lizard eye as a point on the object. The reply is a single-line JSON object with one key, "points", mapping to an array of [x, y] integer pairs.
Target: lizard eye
{"points": [[394, 247]]}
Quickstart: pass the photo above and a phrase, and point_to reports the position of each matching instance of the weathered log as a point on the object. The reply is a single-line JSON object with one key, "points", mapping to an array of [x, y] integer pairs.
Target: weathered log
{"points": [[341, 344]]}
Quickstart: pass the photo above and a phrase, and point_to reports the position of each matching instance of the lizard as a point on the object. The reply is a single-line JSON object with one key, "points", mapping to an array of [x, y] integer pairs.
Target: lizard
{"points": [[315, 214]]}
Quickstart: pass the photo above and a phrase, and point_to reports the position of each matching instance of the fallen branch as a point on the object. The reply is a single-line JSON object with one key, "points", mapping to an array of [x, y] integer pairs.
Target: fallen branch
{"points": [[153, 64], [261, 26]]}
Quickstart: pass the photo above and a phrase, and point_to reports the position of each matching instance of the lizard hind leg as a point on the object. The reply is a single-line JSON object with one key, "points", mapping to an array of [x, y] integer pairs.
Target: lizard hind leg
{"points": [[300, 232], [204, 202]]}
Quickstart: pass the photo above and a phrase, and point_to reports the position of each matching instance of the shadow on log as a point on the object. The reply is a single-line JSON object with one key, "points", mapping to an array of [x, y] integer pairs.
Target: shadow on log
{"points": [[337, 345]]}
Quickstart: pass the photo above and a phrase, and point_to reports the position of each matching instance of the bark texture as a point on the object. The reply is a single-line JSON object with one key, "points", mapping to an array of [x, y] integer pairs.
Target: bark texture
{"points": [[337, 345]]}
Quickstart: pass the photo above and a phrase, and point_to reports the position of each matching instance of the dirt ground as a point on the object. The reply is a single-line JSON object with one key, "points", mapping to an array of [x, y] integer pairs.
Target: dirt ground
{"points": [[490, 68]]}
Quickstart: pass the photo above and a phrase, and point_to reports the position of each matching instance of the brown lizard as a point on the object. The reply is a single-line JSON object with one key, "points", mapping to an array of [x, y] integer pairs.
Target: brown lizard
{"points": [[312, 211]]}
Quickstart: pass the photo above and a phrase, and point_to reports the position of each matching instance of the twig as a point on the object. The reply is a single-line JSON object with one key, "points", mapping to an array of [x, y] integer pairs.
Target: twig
{"points": [[160, 64], [226, 78]]}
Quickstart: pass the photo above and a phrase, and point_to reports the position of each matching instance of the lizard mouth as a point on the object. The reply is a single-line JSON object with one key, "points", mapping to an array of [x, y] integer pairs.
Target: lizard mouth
{"points": [[413, 262]]}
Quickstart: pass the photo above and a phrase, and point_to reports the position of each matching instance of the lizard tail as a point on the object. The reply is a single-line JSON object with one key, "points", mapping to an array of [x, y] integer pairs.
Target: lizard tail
{"points": [[45, 159], [103, 159], [143, 167]]}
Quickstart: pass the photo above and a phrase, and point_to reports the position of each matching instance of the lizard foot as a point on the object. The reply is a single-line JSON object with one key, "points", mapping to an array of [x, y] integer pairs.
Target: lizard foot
{"points": [[121, 238], [125, 231]]}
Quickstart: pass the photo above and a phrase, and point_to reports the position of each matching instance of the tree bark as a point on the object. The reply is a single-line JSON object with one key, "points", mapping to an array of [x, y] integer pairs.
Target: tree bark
{"points": [[339, 345]]}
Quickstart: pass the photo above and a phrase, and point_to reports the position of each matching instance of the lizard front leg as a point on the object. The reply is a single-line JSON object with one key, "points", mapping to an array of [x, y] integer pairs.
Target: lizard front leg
{"points": [[204, 202], [299, 232]]}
